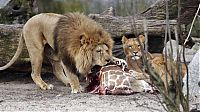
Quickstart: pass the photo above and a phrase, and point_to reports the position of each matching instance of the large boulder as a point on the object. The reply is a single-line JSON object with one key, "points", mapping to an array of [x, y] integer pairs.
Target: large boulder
{"points": [[189, 53], [3, 3], [194, 76]]}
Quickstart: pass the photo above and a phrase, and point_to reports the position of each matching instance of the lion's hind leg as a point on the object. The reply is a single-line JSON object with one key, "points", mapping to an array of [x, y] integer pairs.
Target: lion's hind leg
{"points": [[35, 49], [36, 62]]}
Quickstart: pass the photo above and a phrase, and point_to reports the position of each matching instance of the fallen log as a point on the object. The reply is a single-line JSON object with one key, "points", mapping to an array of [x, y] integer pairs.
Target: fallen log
{"points": [[119, 26], [158, 10], [9, 37]]}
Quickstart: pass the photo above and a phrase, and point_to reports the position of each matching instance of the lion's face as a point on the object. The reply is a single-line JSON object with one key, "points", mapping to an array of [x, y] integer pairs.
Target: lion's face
{"points": [[132, 47], [101, 55]]}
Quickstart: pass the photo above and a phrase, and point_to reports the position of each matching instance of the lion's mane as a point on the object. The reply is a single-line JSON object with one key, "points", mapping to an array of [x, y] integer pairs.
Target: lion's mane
{"points": [[75, 37]]}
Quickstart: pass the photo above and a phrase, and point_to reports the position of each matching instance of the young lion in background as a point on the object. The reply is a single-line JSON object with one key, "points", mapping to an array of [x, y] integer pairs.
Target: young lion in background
{"points": [[132, 50], [78, 44]]}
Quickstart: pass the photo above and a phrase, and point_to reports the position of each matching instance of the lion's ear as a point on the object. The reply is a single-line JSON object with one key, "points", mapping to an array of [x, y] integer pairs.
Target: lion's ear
{"points": [[124, 39], [83, 38], [141, 38]]}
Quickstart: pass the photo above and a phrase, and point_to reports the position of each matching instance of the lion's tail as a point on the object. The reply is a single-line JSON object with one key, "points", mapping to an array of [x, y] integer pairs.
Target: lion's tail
{"points": [[17, 53]]}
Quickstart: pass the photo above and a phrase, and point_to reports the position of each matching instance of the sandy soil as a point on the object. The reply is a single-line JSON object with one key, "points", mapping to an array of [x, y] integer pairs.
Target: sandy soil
{"points": [[19, 93]]}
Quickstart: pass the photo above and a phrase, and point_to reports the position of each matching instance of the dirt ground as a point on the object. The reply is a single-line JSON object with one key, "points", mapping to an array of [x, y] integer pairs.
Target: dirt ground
{"points": [[19, 93]]}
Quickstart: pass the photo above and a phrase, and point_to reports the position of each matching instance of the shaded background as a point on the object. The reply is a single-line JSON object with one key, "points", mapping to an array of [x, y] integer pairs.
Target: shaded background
{"points": [[122, 7]]}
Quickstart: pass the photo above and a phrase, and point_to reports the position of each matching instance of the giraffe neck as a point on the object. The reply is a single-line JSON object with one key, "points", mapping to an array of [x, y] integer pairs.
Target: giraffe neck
{"points": [[115, 76]]}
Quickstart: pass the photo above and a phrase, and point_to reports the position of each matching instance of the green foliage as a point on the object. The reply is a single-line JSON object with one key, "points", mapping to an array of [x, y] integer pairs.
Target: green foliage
{"points": [[61, 6], [93, 6], [196, 30], [130, 7]]}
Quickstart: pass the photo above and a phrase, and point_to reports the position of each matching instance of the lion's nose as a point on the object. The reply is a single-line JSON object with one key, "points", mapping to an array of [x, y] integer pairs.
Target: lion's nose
{"points": [[108, 60], [134, 53]]}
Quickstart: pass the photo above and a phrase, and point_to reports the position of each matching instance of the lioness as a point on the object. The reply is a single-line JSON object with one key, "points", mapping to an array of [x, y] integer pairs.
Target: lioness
{"points": [[132, 50], [78, 44]]}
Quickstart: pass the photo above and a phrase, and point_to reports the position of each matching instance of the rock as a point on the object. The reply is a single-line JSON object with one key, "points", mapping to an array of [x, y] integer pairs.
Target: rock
{"points": [[196, 46], [189, 53], [194, 76], [3, 3], [17, 11]]}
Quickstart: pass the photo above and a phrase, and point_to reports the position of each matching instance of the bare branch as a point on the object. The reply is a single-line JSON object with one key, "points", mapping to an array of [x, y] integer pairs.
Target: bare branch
{"points": [[192, 25]]}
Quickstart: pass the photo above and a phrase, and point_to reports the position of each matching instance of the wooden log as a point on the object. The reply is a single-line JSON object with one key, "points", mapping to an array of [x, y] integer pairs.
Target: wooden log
{"points": [[9, 37], [118, 26], [158, 10]]}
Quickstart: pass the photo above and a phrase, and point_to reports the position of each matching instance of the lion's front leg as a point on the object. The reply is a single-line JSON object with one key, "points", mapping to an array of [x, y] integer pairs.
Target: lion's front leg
{"points": [[56, 64], [58, 72], [73, 80]]}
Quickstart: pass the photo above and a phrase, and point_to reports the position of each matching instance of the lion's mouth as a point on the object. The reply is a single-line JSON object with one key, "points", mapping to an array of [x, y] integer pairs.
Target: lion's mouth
{"points": [[135, 57]]}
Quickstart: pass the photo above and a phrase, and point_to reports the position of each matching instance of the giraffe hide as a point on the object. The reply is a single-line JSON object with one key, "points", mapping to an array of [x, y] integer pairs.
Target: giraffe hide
{"points": [[112, 79]]}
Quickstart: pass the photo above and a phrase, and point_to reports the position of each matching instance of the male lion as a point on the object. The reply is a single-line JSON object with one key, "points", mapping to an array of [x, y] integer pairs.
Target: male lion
{"points": [[78, 44]]}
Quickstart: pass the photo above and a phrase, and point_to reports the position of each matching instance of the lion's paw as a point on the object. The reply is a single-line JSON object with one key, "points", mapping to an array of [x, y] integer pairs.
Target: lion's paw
{"points": [[50, 86], [75, 91], [47, 87]]}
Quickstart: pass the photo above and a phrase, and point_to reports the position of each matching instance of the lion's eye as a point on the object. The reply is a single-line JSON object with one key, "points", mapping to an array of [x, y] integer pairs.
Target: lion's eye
{"points": [[98, 51], [138, 45], [129, 47]]}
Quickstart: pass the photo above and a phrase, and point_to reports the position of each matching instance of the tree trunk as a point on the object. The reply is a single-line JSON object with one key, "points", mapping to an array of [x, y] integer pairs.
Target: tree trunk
{"points": [[119, 26], [158, 9], [9, 37]]}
